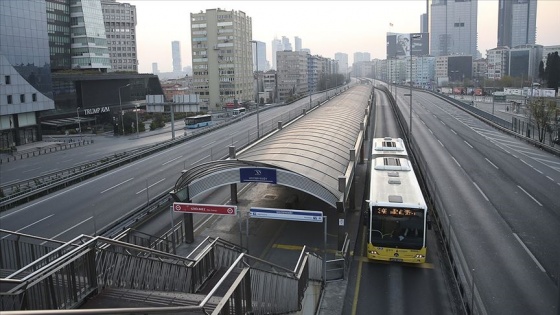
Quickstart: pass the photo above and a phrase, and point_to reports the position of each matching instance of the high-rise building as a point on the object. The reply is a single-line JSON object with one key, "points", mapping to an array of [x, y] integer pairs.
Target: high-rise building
{"points": [[286, 45], [222, 57], [453, 27], [155, 68], [342, 59], [120, 29], [276, 46], [176, 55], [25, 73], [87, 32], [297, 42], [517, 21], [524, 61], [361, 56], [58, 27], [260, 54], [292, 74], [424, 23]]}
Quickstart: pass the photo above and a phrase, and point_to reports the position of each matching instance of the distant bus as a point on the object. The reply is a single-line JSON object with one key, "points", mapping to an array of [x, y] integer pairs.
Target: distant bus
{"points": [[198, 121], [239, 111], [396, 218]]}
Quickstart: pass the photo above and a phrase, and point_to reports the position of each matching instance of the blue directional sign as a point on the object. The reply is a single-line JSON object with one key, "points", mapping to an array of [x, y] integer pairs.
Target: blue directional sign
{"points": [[257, 175], [285, 214]]}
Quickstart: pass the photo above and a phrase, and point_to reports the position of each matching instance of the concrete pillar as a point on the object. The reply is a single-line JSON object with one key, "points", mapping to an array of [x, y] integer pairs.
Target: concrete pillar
{"points": [[280, 125], [232, 187], [342, 183], [352, 155], [304, 111]]}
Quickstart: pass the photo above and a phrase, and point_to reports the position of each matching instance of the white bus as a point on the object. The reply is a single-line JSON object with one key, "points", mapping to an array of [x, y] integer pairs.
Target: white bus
{"points": [[238, 111], [397, 213]]}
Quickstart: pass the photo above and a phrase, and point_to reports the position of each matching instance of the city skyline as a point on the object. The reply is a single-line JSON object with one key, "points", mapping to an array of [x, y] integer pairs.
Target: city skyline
{"points": [[337, 26]]}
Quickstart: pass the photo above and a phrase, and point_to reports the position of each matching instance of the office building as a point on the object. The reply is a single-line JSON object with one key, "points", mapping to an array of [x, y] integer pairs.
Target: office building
{"points": [[89, 43], [498, 63], [342, 59], [58, 28], [222, 57], [176, 55], [25, 74], [286, 45], [297, 42], [424, 23], [361, 56], [453, 27], [292, 74], [120, 30], [155, 68], [517, 22], [276, 46], [259, 56], [524, 61]]}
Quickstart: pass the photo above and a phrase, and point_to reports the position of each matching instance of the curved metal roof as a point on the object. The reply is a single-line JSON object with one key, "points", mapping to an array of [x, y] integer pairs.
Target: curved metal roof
{"points": [[309, 155], [318, 145]]}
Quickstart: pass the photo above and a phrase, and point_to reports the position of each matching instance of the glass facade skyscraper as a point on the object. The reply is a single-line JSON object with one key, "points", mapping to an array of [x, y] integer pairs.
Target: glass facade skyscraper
{"points": [[453, 28], [517, 22], [25, 71], [88, 40]]}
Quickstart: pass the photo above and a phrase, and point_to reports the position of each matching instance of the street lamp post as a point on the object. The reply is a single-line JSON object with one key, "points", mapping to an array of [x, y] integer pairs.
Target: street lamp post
{"points": [[410, 124], [79, 123], [137, 132], [120, 106], [257, 72]]}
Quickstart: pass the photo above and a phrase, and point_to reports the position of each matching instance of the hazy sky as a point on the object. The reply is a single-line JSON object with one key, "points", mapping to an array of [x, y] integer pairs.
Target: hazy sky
{"points": [[325, 27]]}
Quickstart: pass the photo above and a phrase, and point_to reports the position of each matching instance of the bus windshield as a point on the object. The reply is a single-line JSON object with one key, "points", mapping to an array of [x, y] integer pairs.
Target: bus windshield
{"points": [[397, 227]]}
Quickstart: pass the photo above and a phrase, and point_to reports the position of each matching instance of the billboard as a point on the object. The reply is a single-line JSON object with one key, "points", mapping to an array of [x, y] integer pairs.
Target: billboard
{"points": [[402, 45]]}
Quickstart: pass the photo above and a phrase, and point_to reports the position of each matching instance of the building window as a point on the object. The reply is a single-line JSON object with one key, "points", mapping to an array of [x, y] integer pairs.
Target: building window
{"points": [[34, 97], [7, 79], [22, 98], [9, 98]]}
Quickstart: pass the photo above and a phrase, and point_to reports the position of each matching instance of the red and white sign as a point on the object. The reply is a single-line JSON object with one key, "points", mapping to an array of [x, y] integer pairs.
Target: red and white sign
{"points": [[204, 208]]}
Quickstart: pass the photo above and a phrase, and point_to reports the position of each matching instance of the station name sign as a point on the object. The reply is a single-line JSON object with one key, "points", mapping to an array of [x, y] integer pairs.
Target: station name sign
{"points": [[204, 208], [257, 175]]}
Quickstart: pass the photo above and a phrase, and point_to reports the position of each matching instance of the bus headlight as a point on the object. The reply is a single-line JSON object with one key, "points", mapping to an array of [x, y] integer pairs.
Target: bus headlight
{"points": [[373, 252], [419, 256]]}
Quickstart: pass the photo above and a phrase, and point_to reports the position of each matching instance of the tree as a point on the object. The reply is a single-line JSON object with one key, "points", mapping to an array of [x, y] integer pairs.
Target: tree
{"points": [[552, 71], [543, 114]]}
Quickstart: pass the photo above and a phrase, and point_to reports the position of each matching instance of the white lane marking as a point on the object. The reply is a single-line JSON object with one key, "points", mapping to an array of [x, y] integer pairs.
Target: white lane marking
{"points": [[117, 185], [209, 143], [468, 144], [43, 219], [480, 191], [68, 229], [453, 131], [430, 130], [441, 143], [12, 181], [529, 252], [159, 181], [172, 160], [25, 227], [442, 122], [552, 179], [487, 160], [535, 200], [195, 162], [456, 161]]}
